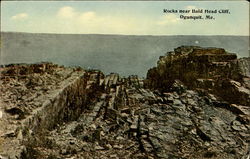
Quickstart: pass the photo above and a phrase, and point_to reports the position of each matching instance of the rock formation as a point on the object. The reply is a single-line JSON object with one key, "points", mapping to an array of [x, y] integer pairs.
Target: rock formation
{"points": [[194, 104], [211, 69]]}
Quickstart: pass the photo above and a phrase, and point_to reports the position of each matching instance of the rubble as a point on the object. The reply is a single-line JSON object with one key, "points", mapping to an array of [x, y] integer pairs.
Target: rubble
{"points": [[117, 117]]}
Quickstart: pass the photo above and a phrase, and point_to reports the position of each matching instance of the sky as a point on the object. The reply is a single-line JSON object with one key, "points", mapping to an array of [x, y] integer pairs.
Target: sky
{"points": [[121, 17]]}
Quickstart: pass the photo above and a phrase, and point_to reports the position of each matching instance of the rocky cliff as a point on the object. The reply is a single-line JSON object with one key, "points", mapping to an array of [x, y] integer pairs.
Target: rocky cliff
{"points": [[210, 69], [179, 111]]}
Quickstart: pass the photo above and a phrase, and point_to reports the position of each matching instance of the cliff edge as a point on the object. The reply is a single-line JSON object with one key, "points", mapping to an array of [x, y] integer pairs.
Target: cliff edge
{"points": [[210, 69]]}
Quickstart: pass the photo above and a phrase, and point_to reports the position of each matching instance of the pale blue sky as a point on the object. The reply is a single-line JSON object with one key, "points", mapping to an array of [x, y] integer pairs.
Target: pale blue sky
{"points": [[117, 17]]}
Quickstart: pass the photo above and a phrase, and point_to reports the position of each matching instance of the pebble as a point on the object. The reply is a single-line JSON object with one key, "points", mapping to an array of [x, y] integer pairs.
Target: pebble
{"points": [[118, 146], [97, 147]]}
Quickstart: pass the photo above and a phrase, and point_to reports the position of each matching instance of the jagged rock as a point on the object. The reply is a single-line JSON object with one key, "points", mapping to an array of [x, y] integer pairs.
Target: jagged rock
{"points": [[212, 69], [85, 114]]}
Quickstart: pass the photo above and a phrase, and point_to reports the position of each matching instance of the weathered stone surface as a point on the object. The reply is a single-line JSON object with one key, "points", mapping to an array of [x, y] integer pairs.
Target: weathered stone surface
{"points": [[244, 64], [201, 127], [211, 69], [38, 110], [72, 113]]}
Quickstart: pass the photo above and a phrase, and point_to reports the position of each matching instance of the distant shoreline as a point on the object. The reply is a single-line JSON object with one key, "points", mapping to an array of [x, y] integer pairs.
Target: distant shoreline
{"points": [[115, 34]]}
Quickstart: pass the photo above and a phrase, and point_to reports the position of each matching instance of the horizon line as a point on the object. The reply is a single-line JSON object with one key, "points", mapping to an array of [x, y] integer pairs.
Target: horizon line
{"points": [[118, 34]]}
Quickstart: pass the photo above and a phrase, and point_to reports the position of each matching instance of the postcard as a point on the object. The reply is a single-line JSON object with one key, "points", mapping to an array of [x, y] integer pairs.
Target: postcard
{"points": [[124, 79]]}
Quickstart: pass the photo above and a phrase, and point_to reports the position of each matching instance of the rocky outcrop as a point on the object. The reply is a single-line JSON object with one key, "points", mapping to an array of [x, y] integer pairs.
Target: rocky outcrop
{"points": [[128, 121], [37, 98], [73, 113], [212, 69]]}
